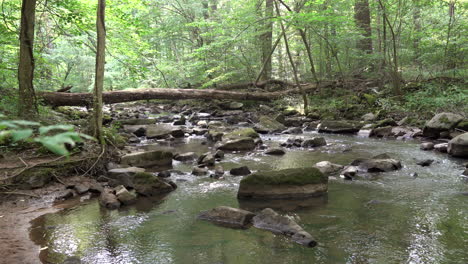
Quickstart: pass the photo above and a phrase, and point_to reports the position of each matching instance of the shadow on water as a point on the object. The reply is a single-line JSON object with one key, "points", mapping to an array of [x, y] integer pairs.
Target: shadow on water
{"points": [[379, 218]]}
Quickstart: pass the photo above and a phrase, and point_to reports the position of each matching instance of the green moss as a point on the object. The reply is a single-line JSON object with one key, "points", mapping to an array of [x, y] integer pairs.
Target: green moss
{"points": [[297, 176], [242, 133], [463, 125], [144, 178], [444, 119]]}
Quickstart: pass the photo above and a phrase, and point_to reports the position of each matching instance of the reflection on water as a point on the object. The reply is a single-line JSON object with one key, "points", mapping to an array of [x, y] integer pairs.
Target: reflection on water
{"points": [[392, 218]]}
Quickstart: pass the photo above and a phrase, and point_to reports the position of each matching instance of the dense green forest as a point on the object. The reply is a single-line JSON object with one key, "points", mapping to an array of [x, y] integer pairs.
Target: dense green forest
{"points": [[204, 44]]}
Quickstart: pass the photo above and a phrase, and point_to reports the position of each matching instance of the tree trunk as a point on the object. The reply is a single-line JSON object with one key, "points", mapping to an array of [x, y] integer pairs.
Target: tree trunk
{"points": [[417, 34], [100, 61], [27, 107], [86, 99], [266, 40], [363, 21]]}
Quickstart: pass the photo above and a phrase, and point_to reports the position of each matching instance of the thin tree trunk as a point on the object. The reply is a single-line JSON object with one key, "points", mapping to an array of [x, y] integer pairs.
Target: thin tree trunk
{"points": [[293, 66], [363, 21], [27, 106], [100, 61], [266, 40], [417, 33]]}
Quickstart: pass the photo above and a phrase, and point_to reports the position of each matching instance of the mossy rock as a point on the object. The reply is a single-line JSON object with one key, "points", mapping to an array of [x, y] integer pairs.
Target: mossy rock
{"points": [[463, 125], [283, 184], [384, 123], [35, 178], [268, 125], [242, 133], [149, 185], [296, 176]]}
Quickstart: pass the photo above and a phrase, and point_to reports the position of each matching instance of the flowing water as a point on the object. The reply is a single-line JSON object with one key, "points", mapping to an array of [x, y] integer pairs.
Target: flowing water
{"points": [[382, 218]]}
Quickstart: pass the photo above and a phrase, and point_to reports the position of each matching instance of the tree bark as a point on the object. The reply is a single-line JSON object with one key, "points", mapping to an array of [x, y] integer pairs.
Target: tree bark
{"points": [[27, 107], [86, 99], [99, 78], [266, 40], [363, 21]]}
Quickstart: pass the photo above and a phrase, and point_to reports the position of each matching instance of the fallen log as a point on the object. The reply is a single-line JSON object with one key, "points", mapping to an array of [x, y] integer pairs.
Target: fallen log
{"points": [[85, 99]]}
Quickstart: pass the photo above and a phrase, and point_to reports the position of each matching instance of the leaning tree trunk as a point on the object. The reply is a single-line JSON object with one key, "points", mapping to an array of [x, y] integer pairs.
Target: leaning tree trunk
{"points": [[100, 61], [27, 107]]}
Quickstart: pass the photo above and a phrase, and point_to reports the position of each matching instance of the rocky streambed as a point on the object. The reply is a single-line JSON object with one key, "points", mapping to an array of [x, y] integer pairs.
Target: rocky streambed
{"points": [[373, 200]]}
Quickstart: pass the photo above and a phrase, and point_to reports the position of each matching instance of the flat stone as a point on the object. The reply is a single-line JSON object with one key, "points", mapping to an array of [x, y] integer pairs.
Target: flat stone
{"points": [[228, 216], [377, 165], [243, 144], [344, 127], [327, 168], [148, 159], [275, 151]]}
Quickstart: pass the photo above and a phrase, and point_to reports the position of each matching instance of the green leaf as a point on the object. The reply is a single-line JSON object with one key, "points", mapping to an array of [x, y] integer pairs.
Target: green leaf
{"points": [[25, 123], [45, 129], [7, 124], [18, 135]]}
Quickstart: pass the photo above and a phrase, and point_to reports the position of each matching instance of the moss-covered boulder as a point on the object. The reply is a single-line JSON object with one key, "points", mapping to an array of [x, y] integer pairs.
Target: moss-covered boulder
{"points": [[156, 158], [344, 127], [440, 123], [283, 184], [458, 146], [241, 144], [268, 125], [148, 184], [242, 133]]}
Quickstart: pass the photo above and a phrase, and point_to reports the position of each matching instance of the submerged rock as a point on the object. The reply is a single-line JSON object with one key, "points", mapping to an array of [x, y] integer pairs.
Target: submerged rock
{"points": [[440, 123], [148, 159], [281, 184], [425, 163], [240, 171], [206, 159], [349, 172], [458, 146], [269, 220], [228, 216]]}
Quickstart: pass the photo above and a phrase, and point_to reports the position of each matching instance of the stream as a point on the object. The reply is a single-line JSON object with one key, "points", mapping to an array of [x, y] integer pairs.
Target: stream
{"points": [[390, 217]]}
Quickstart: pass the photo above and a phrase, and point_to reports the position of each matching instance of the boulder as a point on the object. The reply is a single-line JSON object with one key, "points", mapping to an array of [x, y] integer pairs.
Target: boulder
{"points": [[219, 172], [268, 125], [214, 136], [368, 117], [425, 162], [240, 171], [377, 165], [385, 123], [283, 184], [242, 144], [81, 188], [148, 159], [441, 122], [219, 154], [241, 133], [426, 146], [327, 168], [458, 146], [228, 216], [269, 220], [197, 171], [293, 130], [188, 156], [177, 133], [313, 142], [109, 200], [206, 159], [381, 132], [295, 121], [442, 147], [158, 131], [232, 106], [345, 127], [148, 184], [349, 172], [125, 196], [275, 151], [164, 174]]}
